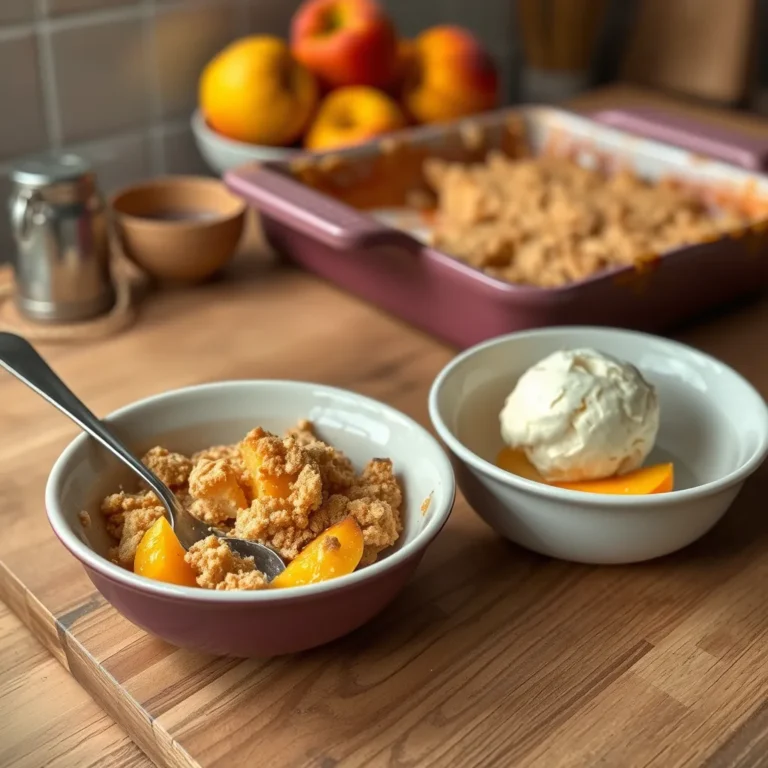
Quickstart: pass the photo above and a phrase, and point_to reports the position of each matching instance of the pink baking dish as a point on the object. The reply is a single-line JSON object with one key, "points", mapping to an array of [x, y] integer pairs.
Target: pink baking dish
{"points": [[316, 224]]}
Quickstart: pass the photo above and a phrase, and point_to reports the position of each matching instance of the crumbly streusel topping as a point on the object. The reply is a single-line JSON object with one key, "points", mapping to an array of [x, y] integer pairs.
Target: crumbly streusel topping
{"points": [[320, 485], [547, 221], [172, 468], [218, 567], [128, 517], [336, 470], [326, 491], [230, 452], [216, 491]]}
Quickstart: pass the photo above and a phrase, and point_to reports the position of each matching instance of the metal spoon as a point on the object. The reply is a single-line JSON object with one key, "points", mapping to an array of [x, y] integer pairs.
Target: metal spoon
{"points": [[21, 359]]}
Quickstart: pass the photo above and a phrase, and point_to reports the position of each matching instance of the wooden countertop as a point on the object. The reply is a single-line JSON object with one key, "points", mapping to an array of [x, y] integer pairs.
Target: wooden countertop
{"points": [[688, 686], [46, 718]]}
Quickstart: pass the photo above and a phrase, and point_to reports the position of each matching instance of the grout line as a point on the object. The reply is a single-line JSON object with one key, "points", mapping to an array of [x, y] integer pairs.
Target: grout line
{"points": [[182, 5], [107, 142], [15, 31], [158, 129], [157, 157], [151, 50], [157, 154], [178, 125], [97, 16], [48, 87]]}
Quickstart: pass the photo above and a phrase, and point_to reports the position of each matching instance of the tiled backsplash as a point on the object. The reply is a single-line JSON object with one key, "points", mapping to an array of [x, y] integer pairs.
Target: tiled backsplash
{"points": [[116, 80]]}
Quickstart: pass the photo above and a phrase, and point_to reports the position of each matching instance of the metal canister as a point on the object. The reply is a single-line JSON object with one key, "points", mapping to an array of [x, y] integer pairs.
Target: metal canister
{"points": [[60, 225]]}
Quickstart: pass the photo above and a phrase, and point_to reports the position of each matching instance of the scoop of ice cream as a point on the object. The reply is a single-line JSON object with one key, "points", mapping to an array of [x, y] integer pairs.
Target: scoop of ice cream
{"points": [[581, 415]]}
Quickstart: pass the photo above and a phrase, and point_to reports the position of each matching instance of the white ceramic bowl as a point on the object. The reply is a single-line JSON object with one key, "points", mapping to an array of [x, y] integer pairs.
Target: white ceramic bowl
{"points": [[714, 427], [269, 622], [223, 154]]}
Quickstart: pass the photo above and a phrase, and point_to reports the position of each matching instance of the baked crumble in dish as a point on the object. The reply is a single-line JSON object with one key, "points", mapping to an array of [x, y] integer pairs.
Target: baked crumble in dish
{"points": [[296, 494], [548, 222]]}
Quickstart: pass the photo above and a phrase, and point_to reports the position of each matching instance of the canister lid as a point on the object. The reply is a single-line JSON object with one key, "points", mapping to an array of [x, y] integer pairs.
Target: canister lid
{"points": [[50, 169]]}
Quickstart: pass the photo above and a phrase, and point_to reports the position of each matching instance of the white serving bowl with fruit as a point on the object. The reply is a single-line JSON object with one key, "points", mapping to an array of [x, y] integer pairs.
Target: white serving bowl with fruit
{"points": [[223, 154], [535, 432], [344, 77]]}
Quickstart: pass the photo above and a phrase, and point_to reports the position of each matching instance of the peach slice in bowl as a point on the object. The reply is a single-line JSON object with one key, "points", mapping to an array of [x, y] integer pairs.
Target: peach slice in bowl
{"points": [[713, 430]]}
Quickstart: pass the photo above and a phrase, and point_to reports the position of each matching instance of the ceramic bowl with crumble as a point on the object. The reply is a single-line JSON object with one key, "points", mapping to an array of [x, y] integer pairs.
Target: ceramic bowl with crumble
{"points": [[348, 491]]}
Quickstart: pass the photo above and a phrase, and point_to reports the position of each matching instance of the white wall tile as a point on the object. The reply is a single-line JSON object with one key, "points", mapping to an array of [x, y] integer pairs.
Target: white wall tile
{"points": [[15, 11], [22, 127], [102, 78], [412, 16], [185, 38], [180, 153], [271, 17], [118, 162]]}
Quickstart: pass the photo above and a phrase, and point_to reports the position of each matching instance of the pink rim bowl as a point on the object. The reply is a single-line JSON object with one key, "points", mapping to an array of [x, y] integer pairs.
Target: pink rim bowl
{"points": [[268, 623]]}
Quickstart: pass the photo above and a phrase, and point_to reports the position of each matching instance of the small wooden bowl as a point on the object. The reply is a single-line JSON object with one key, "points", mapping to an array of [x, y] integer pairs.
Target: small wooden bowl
{"points": [[179, 228]]}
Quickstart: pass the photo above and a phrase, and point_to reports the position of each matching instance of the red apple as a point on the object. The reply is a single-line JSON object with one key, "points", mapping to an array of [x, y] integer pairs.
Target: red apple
{"points": [[345, 42]]}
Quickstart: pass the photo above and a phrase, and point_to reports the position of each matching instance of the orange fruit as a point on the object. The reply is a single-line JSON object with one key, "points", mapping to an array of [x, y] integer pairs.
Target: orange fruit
{"points": [[335, 552], [352, 115], [255, 91], [160, 556]]}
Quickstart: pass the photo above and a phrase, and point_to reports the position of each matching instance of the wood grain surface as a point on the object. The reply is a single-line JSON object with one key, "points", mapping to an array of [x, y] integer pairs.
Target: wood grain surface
{"points": [[47, 718], [493, 655]]}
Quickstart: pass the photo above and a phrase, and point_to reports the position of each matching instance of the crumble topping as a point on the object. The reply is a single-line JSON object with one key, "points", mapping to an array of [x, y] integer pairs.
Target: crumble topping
{"points": [[230, 452], [336, 470], [547, 221], [216, 491], [218, 567], [128, 517], [172, 468], [278, 456], [279, 491]]}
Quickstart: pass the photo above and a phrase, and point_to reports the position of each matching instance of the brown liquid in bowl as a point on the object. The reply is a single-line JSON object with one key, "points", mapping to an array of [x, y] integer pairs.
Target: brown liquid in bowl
{"points": [[180, 216]]}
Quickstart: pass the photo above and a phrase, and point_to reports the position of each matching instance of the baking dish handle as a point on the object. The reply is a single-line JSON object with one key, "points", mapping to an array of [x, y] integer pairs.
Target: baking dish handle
{"points": [[302, 208], [701, 138]]}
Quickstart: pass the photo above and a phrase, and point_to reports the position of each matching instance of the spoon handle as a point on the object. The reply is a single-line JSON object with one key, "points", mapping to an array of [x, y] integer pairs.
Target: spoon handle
{"points": [[21, 359]]}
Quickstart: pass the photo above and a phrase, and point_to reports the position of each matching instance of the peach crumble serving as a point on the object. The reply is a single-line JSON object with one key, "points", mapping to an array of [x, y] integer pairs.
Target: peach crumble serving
{"points": [[295, 494], [547, 221]]}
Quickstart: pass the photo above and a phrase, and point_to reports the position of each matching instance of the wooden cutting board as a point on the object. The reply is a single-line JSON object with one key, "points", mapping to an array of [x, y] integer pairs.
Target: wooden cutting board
{"points": [[493, 655], [47, 718]]}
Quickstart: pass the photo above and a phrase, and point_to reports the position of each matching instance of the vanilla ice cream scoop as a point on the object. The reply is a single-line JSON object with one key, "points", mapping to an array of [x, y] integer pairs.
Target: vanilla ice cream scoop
{"points": [[581, 415]]}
